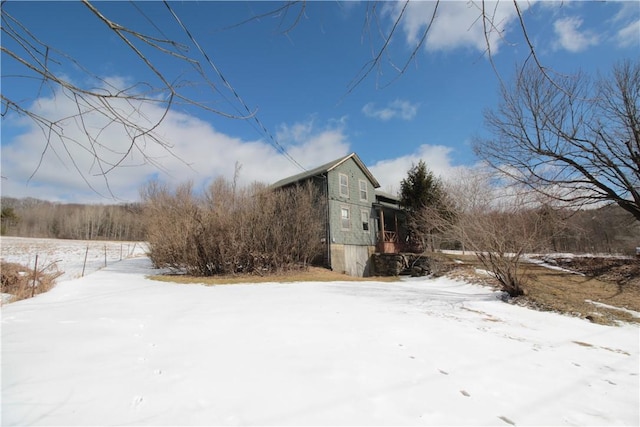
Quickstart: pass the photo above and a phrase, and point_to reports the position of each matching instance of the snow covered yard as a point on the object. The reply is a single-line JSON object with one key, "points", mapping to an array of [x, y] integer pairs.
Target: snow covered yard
{"points": [[115, 348]]}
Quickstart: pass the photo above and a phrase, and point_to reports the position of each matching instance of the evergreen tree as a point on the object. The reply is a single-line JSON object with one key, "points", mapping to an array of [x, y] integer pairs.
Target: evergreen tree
{"points": [[423, 198], [421, 188]]}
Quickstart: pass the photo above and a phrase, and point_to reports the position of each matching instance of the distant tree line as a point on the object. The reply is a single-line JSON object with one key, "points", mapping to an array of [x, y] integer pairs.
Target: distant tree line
{"points": [[39, 218], [605, 230]]}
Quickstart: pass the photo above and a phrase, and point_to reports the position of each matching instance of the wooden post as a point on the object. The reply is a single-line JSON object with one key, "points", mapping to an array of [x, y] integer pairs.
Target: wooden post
{"points": [[395, 221], [105, 255], [85, 260], [35, 277], [381, 240], [399, 244], [120, 251]]}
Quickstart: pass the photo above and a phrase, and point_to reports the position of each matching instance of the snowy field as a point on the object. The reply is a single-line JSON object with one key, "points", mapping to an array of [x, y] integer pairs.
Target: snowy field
{"points": [[115, 348], [67, 255]]}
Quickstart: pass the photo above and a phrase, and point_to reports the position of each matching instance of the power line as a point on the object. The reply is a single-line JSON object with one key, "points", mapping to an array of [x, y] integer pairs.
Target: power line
{"points": [[272, 140]]}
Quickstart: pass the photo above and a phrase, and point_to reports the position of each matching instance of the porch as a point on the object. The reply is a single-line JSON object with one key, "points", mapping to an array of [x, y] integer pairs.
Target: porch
{"points": [[391, 225]]}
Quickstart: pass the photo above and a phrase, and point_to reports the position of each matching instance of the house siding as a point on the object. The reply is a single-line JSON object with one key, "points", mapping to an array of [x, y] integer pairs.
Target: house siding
{"points": [[351, 248], [355, 235]]}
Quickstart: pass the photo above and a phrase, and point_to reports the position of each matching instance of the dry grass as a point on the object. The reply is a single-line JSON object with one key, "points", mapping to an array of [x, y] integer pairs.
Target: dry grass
{"points": [[568, 292], [573, 293], [21, 282], [312, 274]]}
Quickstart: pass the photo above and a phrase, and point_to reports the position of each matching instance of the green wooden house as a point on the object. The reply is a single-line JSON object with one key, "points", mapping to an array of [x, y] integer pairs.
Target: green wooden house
{"points": [[359, 220]]}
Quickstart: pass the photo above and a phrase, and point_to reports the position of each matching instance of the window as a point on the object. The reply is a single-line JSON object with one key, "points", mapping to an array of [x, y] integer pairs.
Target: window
{"points": [[363, 190], [344, 185], [365, 220], [345, 218]]}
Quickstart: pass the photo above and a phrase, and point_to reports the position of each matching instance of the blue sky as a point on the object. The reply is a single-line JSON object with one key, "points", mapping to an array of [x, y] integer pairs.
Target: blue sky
{"points": [[295, 71]]}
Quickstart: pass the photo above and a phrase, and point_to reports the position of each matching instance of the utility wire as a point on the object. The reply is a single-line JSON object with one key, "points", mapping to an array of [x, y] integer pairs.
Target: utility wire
{"points": [[262, 127], [197, 66]]}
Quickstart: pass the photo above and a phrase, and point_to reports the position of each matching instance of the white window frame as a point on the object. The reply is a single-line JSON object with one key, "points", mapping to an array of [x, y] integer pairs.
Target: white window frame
{"points": [[346, 186], [364, 190], [365, 218], [348, 218]]}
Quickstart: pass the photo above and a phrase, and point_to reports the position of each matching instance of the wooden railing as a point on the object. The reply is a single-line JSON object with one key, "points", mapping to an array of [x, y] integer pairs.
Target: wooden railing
{"points": [[390, 237]]}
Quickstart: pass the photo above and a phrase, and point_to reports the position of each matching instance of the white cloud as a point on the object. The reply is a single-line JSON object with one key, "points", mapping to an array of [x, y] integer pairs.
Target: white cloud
{"points": [[197, 152], [627, 10], [396, 109], [570, 37], [312, 146], [458, 24], [629, 35], [390, 172]]}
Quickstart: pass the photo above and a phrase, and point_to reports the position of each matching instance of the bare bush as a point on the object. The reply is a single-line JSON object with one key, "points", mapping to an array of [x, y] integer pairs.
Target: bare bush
{"points": [[498, 227], [229, 230], [23, 282], [499, 239]]}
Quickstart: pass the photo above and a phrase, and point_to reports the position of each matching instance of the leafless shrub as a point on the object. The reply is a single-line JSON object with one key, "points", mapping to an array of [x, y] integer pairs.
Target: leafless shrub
{"points": [[229, 230], [23, 282], [499, 227], [499, 238]]}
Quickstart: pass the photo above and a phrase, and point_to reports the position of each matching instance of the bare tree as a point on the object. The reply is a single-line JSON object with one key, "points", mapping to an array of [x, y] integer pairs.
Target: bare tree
{"points": [[573, 139], [102, 103]]}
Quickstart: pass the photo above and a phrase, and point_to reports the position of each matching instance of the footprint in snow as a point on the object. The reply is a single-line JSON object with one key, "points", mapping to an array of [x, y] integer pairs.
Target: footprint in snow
{"points": [[506, 420], [136, 401]]}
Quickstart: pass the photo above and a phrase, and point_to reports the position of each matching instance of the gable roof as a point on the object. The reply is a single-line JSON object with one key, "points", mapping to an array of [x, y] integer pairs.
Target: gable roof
{"points": [[326, 168]]}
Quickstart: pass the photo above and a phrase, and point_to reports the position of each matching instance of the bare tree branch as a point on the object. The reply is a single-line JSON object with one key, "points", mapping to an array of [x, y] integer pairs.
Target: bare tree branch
{"points": [[578, 145], [110, 103]]}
